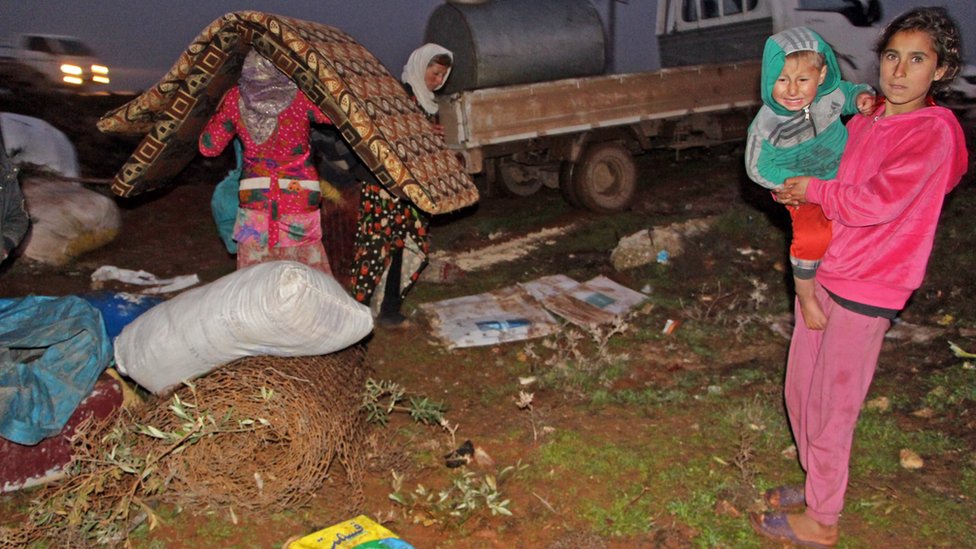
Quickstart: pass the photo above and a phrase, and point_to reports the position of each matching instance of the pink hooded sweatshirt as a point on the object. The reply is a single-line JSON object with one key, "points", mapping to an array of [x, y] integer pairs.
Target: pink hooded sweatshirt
{"points": [[885, 203]]}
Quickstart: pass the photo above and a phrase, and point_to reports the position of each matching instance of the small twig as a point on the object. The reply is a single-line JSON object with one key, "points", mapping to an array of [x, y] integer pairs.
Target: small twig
{"points": [[446, 425], [644, 490], [546, 503], [282, 374]]}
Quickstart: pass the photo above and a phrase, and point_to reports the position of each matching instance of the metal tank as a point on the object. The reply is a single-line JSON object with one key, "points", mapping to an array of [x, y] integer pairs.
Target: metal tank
{"points": [[503, 42]]}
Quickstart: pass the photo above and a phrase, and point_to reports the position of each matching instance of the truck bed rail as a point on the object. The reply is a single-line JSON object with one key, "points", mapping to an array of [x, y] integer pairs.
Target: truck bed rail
{"points": [[498, 115]]}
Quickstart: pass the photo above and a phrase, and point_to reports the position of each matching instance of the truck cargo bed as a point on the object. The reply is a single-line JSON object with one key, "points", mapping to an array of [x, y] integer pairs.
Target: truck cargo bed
{"points": [[504, 114]]}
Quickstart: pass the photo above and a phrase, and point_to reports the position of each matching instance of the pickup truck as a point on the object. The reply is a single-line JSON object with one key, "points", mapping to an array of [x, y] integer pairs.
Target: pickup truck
{"points": [[45, 60], [579, 133]]}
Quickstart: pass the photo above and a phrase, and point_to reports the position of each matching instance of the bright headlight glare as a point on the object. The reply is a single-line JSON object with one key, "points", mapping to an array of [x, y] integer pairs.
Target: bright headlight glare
{"points": [[100, 79], [74, 70], [99, 69], [73, 80]]}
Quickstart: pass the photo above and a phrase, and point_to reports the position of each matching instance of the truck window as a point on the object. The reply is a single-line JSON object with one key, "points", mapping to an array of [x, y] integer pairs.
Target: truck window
{"points": [[38, 43], [861, 13], [689, 10], [75, 47], [710, 8]]}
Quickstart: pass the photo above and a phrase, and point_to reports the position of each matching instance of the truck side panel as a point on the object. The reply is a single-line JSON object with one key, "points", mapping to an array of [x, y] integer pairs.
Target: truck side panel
{"points": [[513, 113]]}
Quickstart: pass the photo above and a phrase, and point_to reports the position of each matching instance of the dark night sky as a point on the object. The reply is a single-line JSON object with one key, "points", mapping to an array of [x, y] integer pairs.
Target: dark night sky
{"points": [[140, 40]]}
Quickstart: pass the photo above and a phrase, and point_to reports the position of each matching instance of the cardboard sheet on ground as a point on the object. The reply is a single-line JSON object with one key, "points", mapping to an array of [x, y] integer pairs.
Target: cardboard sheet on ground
{"points": [[524, 311], [499, 316], [591, 303], [369, 107]]}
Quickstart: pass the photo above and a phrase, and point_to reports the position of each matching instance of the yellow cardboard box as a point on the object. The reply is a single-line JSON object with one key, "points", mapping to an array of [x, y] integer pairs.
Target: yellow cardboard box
{"points": [[359, 532]]}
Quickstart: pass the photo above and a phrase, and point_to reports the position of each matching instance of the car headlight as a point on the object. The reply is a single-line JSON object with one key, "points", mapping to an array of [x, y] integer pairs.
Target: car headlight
{"points": [[73, 70]]}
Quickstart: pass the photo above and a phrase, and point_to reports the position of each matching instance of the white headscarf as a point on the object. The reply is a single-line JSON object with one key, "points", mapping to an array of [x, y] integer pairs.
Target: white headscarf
{"points": [[265, 93], [416, 68]]}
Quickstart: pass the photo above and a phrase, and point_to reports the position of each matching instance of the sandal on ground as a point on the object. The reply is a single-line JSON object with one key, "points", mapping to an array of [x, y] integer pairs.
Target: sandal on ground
{"points": [[785, 499], [774, 526]]}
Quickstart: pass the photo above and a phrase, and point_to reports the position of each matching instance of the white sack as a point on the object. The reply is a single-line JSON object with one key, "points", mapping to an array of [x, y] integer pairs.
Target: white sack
{"points": [[280, 308], [67, 219], [31, 140]]}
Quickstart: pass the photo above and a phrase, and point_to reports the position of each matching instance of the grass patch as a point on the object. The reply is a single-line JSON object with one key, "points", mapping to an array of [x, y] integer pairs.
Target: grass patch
{"points": [[587, 458], [932, 517], [698, 512], [215, 529], [878, 440], [950, 388], [626, 515], [643, 397]]}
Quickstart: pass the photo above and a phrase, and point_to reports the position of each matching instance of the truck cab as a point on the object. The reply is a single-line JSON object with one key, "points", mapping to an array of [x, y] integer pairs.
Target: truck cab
{"points": [[693, 32], [63, 61]]}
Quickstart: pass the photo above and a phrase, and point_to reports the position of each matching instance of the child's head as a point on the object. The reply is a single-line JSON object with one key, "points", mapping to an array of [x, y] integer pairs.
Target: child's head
{"points": [[798, 82], [943, 42], [797, 68]]}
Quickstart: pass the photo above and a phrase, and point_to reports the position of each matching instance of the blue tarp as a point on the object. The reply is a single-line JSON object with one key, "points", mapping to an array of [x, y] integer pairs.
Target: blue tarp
{"points": [[52, 350], [225, 200]]}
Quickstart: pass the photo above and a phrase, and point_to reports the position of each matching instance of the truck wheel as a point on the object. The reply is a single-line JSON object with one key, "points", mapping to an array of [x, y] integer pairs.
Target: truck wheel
{"points": [[567, 187], [605, 179], [516, 181]]}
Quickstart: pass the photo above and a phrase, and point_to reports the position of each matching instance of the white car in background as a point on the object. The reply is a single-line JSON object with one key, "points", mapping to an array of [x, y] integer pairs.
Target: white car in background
{"points": [[961, 95], [63, 61], [965, 83]]}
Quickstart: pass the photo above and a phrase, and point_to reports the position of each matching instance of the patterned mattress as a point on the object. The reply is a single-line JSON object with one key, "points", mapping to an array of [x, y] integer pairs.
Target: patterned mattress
{"points": [[368, 105]]}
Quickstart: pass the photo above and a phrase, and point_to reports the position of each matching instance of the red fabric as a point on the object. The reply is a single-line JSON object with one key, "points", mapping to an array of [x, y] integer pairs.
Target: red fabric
{"points": [[811, 232], [22, 466]]}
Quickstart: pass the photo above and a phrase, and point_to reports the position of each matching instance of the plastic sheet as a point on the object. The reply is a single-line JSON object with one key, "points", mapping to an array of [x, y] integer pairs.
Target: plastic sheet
{"points": [[52, 351]]}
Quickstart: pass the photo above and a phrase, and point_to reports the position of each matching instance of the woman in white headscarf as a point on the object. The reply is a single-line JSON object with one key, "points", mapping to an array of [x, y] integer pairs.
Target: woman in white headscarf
{"points": [[392, 242], [425, 72]]}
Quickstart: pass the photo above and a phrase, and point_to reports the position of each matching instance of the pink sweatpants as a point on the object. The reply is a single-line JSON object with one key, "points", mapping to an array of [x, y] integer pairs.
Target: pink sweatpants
{"points": [[827, 379]]}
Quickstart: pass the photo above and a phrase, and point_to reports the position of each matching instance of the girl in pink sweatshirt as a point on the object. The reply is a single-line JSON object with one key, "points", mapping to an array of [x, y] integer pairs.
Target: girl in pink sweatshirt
{"points": [[897, 167]]}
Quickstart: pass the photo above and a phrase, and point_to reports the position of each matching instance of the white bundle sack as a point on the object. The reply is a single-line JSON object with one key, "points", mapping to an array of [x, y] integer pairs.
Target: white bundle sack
{"points": [[67, 219], [31, 140], [280, 308]]}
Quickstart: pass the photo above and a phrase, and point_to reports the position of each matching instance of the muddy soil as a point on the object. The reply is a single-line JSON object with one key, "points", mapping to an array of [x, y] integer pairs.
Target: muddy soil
{"points": [[171, 233]]}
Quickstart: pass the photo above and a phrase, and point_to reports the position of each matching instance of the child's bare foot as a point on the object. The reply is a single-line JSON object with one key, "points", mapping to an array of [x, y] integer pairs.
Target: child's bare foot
{"points": [[813, 315]]}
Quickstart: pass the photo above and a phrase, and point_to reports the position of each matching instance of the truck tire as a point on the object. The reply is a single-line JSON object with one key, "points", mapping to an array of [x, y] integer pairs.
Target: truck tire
{"points": [[514, 181], [605, 179], [567, 187]]}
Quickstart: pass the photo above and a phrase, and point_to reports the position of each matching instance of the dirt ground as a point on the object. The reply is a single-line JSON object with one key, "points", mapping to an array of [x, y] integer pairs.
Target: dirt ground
{"points": [[592, 466]]}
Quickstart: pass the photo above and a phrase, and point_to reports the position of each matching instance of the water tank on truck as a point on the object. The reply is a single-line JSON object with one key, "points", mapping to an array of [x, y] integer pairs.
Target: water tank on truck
{"points": [[505, 42], [503, 47]]}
